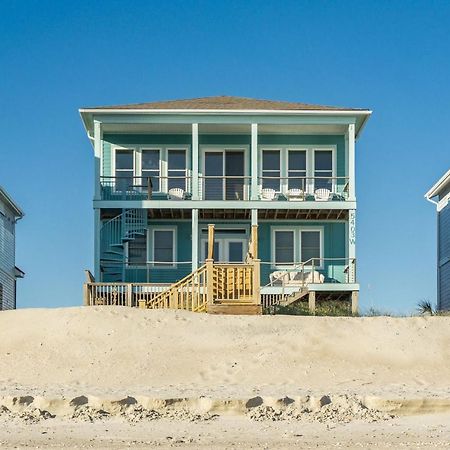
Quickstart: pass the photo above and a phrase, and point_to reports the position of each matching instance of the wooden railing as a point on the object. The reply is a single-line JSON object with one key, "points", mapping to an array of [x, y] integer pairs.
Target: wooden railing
{"points": [[119, 294], [190, 293]]}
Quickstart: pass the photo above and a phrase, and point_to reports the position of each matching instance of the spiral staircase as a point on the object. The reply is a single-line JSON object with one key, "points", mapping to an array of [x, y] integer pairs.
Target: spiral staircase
{"points": [[114, 234]]}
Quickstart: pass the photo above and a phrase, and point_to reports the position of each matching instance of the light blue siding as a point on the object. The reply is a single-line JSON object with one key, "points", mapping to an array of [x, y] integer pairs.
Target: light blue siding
{"points": [[7, 259], [444, 258]]}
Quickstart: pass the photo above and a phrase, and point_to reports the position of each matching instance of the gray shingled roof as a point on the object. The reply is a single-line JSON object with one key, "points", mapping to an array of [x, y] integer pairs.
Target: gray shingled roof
{"points": [[225, 102]]}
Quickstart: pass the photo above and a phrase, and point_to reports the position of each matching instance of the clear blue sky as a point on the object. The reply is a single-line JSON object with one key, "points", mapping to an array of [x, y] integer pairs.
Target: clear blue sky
{"points": [[392, 57]]}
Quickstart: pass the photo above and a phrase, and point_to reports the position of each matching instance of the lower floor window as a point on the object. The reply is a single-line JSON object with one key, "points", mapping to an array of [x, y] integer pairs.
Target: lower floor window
{"points": [[163, 248], [297, 245]]}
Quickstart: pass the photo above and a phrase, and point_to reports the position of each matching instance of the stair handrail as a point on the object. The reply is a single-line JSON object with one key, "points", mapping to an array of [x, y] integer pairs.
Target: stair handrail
{"points": [[161, 296]]}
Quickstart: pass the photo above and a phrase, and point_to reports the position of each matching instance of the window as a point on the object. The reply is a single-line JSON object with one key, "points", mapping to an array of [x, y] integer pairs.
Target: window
{"points": [[323, 169], [176, 169], [310, 246], [284, 247], [271, 169], [296, 245], [124, 169], [150, 169], [137, 250], [297, 169], [163, 248]]}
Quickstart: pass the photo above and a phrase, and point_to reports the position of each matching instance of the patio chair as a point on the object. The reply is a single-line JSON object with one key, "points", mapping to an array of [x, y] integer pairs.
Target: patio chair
{"points": [[176, 194], [322, 195], [268, 194], [279, 275], [295, 194], [313, 277]]}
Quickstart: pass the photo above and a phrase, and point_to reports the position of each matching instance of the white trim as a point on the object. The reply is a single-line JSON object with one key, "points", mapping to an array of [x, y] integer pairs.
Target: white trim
{"points": [[297, 230], [220, 148], [437, 187], [310, 162], [300, 112], [174, 243], [224, 249], [114, 149]]}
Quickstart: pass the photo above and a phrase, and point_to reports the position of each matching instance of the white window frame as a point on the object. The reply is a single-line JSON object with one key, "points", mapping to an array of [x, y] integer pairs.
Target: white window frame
{"points": [[152, 231], [284, 163], [163, 161], [223, 247], [222, 149], [188, 181], [333, 163], [297, 230], [114, 149]]}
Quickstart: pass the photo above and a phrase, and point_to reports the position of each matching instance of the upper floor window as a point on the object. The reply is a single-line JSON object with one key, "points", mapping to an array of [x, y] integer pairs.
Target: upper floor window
{"points": [[271, 169], [176, 169], [297, 169], [150, 169], [124, 169], [323, 169]]}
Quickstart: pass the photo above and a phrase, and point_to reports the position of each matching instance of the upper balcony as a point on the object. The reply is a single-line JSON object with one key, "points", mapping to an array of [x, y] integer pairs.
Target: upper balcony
{"points": [[225, 188]]}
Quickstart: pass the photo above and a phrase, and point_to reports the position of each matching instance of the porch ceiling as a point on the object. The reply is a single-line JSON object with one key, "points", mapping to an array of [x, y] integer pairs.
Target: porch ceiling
{"points": [[240, 214]]}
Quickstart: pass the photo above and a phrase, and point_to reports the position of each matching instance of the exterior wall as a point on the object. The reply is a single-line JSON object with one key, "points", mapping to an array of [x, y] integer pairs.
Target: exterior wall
{"points": [[334, 246], [109, 140], [444, 259], [7, 259]]}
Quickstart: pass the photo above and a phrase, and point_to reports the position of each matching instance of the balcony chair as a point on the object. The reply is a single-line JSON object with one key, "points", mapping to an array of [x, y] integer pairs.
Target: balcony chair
{"points": [[323, 195], [176, 194], [268, 194], [295, 194]]}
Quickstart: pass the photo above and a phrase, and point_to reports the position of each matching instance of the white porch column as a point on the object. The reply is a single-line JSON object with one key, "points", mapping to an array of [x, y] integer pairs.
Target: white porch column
{"points": [[97, 226], [254, 217], [195, 185], [194, 239], [352, 245], [97, 158], [254, 162], [351, 162]]}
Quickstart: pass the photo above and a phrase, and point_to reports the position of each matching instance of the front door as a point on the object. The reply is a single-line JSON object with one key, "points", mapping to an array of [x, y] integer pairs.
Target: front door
{"points": [[227, 250]]}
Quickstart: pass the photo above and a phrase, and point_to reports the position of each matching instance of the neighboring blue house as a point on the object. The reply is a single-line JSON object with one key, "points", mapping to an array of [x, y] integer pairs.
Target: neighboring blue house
{"points": [[10, 213], [165, 170], [439, 194]]}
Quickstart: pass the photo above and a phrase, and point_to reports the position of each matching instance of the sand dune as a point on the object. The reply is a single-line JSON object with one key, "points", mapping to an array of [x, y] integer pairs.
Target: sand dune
{"points": [[108, 363]]}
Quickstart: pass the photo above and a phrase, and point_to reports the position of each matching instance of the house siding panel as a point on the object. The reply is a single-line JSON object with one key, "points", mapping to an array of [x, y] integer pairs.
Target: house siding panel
{"points": [[7, 259], [334, 247], [444, 259], [235, 140]]}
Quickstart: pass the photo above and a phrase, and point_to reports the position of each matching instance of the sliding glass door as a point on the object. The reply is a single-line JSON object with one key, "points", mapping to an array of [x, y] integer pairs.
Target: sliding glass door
{"points": [[224, 175]]}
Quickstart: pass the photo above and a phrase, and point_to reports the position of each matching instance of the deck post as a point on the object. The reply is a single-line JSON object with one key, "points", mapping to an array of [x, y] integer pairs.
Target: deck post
{"points": [[351, 246], [86, 289], [129, 294], [254, 239], [194, 239], [312, 302], [98, 158], [254, 162], [351, 162], [210, 241], [195, 186], [354, 297], [209, 281], [256, 281], [97, 245]]}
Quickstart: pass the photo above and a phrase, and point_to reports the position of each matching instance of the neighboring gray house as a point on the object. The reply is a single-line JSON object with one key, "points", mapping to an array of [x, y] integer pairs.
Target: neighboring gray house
{"points": [[439, 194], [10, 213]]}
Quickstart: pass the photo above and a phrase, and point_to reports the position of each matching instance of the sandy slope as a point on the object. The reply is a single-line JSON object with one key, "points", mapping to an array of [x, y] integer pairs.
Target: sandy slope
{"points": [[74, 363], [108, 349]]}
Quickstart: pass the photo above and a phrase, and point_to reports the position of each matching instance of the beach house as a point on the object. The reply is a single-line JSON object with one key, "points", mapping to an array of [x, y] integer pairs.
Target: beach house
{"points": [[262, 191], [439, 194], [10, 213]]}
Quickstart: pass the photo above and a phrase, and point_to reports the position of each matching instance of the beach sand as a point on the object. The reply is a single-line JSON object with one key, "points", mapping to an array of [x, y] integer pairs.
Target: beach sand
{"points": [[112, 377]]}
